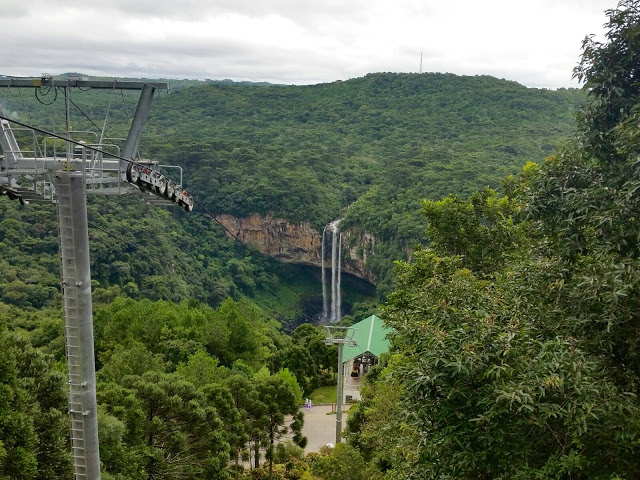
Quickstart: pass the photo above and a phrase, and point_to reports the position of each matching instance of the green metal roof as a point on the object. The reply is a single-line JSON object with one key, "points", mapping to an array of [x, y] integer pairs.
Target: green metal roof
{"points": [[370, 336]]}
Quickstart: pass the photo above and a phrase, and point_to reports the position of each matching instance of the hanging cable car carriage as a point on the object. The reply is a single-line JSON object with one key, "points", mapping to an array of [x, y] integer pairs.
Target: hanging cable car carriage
{"points": [[145, 175]]}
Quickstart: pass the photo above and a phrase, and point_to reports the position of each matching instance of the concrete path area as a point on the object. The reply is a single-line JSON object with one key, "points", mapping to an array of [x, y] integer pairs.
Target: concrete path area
{"points": [[320, 426]]}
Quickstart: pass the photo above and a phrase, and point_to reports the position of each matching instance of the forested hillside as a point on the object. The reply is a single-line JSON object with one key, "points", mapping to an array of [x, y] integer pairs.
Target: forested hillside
{"points": [[383, 141], [368, 149], [183, 390], [136, 250], [516, 349], [308, 152], [194, 370]]}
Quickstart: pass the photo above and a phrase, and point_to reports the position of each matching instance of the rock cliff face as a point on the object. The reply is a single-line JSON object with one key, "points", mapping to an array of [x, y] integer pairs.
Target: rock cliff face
{"points": [[299, 243]]}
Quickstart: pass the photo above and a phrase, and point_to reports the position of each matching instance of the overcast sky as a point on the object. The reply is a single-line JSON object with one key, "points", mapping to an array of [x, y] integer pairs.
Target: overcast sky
{"points": [[534, 42]]}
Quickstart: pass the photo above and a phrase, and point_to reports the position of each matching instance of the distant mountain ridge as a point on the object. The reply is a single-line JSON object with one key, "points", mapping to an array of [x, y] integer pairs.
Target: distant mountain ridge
{"points": [[175, 83]]}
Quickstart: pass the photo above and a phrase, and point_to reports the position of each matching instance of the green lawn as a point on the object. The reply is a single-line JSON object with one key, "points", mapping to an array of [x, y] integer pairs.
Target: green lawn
{"points": [[324, 395]]}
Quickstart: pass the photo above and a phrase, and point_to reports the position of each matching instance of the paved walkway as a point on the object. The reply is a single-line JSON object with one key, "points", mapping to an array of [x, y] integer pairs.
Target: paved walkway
{"points": [[319, 427]]}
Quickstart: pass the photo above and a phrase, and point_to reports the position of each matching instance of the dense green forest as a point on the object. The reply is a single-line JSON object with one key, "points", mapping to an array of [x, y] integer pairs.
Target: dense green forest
{"points": [[368, 149], [184, 390], [515, 344], [516, 332]]}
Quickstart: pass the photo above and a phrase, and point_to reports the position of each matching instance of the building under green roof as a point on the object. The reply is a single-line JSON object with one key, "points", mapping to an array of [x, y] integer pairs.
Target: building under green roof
{"points": [[370, 336]]}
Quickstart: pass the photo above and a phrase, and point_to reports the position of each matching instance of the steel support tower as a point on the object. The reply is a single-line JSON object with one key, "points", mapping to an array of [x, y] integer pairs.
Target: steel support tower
{"points": [[340, 336], [65, 178], [76, 294]]}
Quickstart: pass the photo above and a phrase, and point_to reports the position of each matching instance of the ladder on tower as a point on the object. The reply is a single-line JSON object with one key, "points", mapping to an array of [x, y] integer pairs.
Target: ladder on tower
{"points": [[76, 381]]}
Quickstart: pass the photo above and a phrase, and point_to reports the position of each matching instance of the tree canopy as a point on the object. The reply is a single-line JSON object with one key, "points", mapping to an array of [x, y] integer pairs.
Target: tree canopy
{"points": [[515, 345]]}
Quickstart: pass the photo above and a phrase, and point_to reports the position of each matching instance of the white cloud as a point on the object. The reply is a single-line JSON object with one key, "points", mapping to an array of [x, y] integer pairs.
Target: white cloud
{"points": [[536, 43]]}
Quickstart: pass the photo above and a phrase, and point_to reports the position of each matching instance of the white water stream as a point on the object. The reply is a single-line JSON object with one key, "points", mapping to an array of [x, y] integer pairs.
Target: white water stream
{"points": [[336, 269], [325, 302]]}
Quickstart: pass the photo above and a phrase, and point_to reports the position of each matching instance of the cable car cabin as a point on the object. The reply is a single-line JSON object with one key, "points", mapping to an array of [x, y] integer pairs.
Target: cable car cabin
{"points": [[362, 363]]}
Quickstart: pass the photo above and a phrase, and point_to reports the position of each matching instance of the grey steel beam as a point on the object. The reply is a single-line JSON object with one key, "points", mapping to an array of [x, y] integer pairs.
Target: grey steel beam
{"points": [[339, 399], [31, 165], [76, 294], [139, 120], [99, 84]]}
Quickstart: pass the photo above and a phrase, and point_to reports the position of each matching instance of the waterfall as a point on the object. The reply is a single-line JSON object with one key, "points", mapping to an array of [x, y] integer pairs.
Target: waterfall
{"points": [[338, 315], [334, 265], [325, 302], [336, 268]]}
